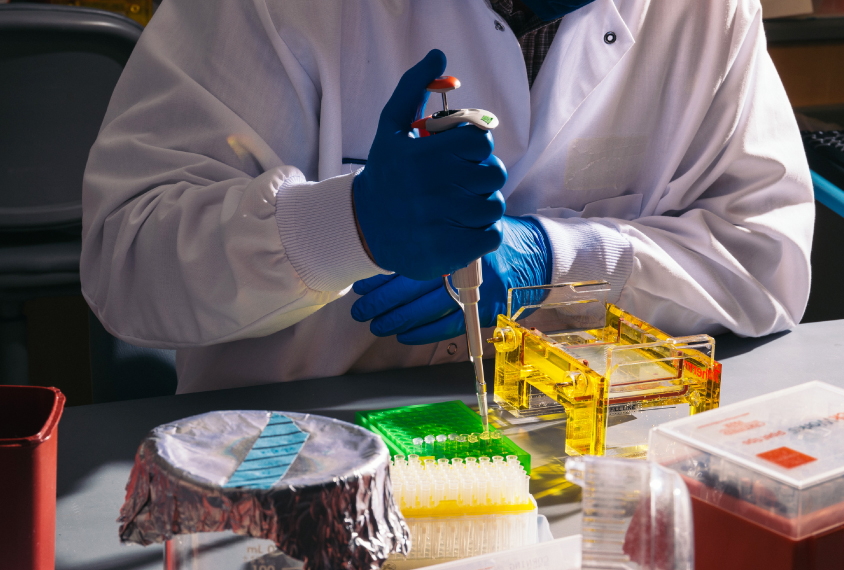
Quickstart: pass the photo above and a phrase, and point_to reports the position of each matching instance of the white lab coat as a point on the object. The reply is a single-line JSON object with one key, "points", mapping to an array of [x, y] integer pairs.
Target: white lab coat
{"points": [[667, 162]]}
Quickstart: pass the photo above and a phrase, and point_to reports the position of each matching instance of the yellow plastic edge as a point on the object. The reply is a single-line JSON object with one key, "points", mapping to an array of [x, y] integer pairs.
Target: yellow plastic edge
{"points": [[452, 509]]}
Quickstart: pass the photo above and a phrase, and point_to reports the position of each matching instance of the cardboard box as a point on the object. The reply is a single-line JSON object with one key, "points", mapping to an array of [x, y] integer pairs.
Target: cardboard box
{"points": [[782, 8]]}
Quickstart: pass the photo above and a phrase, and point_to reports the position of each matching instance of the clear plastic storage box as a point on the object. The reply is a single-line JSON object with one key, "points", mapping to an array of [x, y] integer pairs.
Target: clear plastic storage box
{"points": [[636, 515], [766, 478]]}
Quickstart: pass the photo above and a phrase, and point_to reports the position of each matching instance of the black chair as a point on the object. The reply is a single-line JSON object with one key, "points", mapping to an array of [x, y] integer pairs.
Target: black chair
{"points": [[122, 371], [58, 68]]}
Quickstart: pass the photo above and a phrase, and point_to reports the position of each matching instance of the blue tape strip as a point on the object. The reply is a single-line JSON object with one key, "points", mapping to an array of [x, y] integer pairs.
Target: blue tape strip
{"points": [[828, 194], [271, 455]]}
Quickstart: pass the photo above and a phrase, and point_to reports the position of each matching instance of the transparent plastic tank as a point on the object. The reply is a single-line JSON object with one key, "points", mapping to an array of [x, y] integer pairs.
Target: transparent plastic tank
{"points": [[567, 350], [636, 515]]}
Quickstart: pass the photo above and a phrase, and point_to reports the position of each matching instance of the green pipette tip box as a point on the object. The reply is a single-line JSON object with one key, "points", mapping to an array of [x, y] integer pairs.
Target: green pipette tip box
{"points": [[398, 427]]}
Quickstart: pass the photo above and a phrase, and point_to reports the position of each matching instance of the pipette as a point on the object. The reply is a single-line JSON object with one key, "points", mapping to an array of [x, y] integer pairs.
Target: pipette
{"points": [[467, 280]]}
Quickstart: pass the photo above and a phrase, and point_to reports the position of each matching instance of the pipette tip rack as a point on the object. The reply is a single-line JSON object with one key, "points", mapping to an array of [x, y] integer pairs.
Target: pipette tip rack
{"points": [[459, 508], [476, 485]]}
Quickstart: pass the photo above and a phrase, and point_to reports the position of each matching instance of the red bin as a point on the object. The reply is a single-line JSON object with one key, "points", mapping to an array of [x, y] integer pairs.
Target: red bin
{"points": [[29, 417]]}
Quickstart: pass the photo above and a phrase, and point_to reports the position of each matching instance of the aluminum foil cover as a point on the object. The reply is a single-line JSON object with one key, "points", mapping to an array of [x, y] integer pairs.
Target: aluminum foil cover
{"points": [[333, 508]]}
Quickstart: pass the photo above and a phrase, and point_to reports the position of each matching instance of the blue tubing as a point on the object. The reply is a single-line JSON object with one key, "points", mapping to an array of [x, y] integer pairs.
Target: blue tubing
{"points": [[828, 194]]}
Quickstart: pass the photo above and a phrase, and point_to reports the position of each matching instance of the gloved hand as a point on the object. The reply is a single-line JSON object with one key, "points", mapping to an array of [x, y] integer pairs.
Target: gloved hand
{"points": [[421, 312], [428, 206]]}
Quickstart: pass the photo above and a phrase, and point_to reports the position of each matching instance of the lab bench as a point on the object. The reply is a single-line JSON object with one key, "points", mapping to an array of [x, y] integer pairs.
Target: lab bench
{"points": [[97, 443]]}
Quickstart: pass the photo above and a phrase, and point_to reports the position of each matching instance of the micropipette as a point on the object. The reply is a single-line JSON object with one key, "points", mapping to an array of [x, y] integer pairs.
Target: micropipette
{"points": [[468, 280]]}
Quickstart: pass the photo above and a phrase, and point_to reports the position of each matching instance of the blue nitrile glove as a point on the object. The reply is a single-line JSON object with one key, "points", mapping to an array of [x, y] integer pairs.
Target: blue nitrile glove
{"points": [[420, 312], [428, 206], [550, 10]]}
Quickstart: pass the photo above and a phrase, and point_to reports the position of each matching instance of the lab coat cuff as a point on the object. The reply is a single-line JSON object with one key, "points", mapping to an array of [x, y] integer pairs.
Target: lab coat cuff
{"points": [[585, 250], [316, 223]]}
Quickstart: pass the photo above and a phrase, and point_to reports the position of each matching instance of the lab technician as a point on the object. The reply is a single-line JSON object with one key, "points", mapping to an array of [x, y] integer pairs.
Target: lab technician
{"points": [[645, 142]]}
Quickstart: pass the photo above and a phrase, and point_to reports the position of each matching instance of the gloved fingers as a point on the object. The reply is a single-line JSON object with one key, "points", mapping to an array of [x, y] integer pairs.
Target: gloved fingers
{"points": [[364, 286], [411, 91], [450, 326], [479, 212], [484, 177], [478, 242], [467, 143], [426, 309], [391, 295]]}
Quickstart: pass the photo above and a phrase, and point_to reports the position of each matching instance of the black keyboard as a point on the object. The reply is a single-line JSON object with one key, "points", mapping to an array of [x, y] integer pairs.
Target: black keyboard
{"points": [[825, 151]]}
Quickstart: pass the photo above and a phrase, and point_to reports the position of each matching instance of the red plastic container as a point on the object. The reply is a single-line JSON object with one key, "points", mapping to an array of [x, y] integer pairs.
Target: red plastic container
{"points": [[29, 417], [766, 478], [727, 541]]}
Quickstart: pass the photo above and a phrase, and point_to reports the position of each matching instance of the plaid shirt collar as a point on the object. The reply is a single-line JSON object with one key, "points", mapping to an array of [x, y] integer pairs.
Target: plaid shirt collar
{"points": [[519, 17], [534, 35]]}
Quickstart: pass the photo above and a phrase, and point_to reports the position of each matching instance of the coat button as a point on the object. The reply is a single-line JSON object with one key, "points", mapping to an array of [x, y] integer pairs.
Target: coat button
{"points": [[609, 38], [498, 26], [451, 349]]}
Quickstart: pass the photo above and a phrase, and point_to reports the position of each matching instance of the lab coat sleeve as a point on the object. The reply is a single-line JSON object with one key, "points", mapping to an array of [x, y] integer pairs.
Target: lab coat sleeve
{"points": [[727, 247], [199, 225]]}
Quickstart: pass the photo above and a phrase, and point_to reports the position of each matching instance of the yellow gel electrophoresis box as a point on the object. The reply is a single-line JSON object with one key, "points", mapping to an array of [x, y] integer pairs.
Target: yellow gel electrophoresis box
{"points": [[138, 10], [573, 352]]}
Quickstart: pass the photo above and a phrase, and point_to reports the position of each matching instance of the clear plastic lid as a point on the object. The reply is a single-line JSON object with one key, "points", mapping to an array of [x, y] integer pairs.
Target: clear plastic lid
{"points": [[637, 515], [777, 460]]}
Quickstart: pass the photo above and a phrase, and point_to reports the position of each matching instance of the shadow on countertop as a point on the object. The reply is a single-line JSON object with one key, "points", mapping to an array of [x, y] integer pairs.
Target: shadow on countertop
{"points": [[728, 345]]}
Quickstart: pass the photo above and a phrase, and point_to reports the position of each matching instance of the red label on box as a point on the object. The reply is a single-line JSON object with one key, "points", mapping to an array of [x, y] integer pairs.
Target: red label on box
{"points": [[786, 457]]}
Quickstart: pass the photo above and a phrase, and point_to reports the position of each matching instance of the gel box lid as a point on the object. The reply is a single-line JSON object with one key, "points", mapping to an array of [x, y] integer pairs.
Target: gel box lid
{"points": [[777, 459]]}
